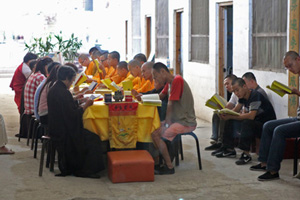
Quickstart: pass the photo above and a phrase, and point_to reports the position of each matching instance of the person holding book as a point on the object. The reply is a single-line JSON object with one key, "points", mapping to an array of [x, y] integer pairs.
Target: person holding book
{"points": [[275, 132], [84, 61], [123, 72], [217, 123], [251, 83], [180, 116], [100, 70], [79, 151], [113, 59], [134, 67], [256, 111]]}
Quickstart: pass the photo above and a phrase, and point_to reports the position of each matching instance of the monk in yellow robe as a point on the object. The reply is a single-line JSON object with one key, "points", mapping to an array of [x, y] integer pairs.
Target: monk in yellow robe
{"points": [[84, 61]]}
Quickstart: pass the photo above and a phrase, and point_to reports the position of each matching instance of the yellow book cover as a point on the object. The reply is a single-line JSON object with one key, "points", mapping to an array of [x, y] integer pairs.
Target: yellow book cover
{"points": [[216, 102], [80, 78], [279, 88], [110, 85], [127, 85], [97, 65]]}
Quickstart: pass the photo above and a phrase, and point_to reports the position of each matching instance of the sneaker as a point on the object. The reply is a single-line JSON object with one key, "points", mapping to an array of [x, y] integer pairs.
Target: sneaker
{"points": [[221, 149], [213, 147], [258, 167], [164, 170], [244, 159], [268, 176], [226, 153]]}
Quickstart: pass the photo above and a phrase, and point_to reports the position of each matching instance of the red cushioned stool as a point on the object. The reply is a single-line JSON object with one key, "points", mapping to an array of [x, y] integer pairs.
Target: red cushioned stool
{"points": [[130, 166]]}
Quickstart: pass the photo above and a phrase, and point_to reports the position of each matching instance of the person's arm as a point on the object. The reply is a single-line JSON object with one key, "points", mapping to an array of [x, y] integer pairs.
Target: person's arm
{"points": [[295, 91], [230, 105], [169, 113], [251, 115]]}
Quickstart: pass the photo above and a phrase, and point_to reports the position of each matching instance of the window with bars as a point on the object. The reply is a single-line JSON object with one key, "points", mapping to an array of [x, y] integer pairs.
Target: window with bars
{"points": [[199, 45], [269, 34], [136, 27], [162, 29]]}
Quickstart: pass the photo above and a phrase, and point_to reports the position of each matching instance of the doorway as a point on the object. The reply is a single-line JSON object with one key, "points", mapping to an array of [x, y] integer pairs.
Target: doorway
{"points": [[225, 46], [178, 42]]}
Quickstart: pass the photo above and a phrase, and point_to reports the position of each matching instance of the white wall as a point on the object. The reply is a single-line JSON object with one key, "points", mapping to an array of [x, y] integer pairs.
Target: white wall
{"points": [[202, 78]]}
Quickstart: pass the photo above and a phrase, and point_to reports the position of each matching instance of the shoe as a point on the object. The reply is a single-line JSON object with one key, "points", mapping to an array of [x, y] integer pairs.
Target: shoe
{"points": [[221, 149], [268, 176], [244, 159], [164, 170], [213, 147], [226, 154], [258, 167], [17, 135]]}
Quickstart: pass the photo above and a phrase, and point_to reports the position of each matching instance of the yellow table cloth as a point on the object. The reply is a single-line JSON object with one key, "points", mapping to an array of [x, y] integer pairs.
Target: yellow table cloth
{"points": [[95, 119]]}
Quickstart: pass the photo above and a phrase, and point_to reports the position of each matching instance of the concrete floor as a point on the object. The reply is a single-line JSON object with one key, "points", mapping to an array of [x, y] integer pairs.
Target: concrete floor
{"points": [[219, 179]]}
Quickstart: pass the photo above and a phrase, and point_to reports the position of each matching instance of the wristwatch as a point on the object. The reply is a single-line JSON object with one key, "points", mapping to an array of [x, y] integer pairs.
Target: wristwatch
{"points": [[167, 125]]}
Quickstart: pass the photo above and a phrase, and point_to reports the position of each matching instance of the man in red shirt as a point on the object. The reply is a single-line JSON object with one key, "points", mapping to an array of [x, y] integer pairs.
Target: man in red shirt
{"points": [[180, 116], [19, 79]]}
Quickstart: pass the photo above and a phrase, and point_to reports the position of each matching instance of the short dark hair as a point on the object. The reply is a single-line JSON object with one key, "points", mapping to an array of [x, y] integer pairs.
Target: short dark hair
{"points": [[239, 81], [292, 54], [93, 49], [249, 76], [29, 56], [123, 65], [231, 77], [65, 72], [115, 55], [32, 63], [42, 64], [140, 57], [96, 53], [159, 66], [73, 66]]}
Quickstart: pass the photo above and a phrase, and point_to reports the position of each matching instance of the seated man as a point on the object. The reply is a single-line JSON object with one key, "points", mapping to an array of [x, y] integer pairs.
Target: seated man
{"points": [[256, 111], [79, 151], [272, 143], [123, 72], [251, 83], [113, 59], [100, 70], [134, 67], [180, 117], [148, 84], [84, 60], [217, 124], [141, 58]]}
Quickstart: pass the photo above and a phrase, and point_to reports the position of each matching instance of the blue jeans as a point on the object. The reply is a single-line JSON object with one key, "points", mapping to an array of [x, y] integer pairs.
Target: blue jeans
{"points": [[272, 144]]}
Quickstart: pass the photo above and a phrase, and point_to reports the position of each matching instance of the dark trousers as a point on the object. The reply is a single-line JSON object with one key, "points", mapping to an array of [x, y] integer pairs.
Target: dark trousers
{"points": [[272, 144], [247, 129]]}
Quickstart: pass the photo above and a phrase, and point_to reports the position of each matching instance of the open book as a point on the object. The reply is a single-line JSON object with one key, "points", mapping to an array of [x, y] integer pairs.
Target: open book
{"points": [[97, 65], [110, 85], [80, 78], [94, 97], [216, 102], [279, 88], [93, 86], [227, 112], [151, 100]]}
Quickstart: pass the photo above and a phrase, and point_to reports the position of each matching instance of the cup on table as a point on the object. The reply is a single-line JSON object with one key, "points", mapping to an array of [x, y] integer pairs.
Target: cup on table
{"points": [[107, 98], [128, 98]]}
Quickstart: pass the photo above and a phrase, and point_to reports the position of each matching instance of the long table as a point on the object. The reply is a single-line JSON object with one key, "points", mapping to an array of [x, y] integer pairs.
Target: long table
{"points": [[96, 119]]}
